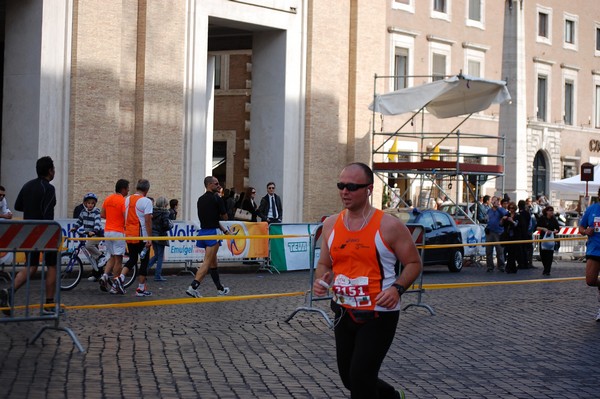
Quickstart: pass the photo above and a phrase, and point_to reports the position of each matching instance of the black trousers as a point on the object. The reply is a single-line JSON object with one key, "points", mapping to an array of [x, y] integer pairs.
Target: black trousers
{"points": [[547, 258], [360, 349], [134, 253]]}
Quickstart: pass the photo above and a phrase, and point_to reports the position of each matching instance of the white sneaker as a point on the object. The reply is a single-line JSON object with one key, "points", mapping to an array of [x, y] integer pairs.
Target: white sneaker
{"points": [[102, 261], [92, 278], [193, 293], [224, 291]]}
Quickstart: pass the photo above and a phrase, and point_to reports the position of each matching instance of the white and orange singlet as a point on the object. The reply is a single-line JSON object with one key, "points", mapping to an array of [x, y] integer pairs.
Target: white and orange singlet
{"points": [[363, 264]]}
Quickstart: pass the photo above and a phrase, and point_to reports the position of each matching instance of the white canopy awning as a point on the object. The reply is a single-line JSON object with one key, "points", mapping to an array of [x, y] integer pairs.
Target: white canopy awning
{"points": [[573, 187], [455, 96]]}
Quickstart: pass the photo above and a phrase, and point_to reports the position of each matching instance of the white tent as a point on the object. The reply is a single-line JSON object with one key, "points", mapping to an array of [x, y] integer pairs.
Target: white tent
{"points": [[573, 187], [455, 96]]}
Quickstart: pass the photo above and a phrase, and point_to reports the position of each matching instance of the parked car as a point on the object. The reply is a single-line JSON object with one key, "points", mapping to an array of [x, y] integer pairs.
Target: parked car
{"points": [[440, 228], [461, 213]]}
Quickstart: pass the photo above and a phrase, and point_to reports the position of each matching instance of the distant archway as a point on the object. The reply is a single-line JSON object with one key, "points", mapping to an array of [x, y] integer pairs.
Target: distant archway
{"points": [[540, 172]]}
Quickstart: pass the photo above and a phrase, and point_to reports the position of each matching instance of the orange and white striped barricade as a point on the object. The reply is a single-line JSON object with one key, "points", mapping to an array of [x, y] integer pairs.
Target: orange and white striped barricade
{"points": [[418, 235], [309, 299], [33, 237]]}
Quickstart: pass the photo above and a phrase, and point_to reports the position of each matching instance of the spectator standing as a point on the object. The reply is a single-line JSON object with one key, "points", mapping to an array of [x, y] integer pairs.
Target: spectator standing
{"points": [[173, 207], [492, 234], [249, 204], [138, 223], [36, 200], [366, 290], [161, 224], [5, 213], [547, 223], [113, 210], [211, 210], [270, 208], [230, 203], [526, 229]]}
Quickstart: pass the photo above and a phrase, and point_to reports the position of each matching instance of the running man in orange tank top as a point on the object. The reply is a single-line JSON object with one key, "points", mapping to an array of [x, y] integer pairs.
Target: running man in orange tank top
{"points": [[361, 246]]}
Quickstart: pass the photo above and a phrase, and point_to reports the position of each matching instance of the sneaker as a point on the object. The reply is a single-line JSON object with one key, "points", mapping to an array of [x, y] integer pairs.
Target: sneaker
{"points": [[399, 394], [112, 290], [92, 279], [193, 293], [224, 291], [5, 300], [102, 261], [118, 285], [104, 284], [141, 293], [50, 311], [159, 278]]}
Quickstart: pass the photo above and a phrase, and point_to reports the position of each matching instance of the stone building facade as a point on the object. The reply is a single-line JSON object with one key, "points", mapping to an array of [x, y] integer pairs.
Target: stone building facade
{"points": [[278, 90]]}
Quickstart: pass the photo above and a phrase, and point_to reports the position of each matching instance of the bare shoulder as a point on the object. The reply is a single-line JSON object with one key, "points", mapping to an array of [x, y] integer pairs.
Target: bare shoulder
{"points": [[329, 222], [392, 228]]}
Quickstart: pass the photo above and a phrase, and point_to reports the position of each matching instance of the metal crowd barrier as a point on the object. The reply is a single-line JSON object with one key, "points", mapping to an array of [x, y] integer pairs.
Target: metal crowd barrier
{"points": [[33, 236], [573, 248]]}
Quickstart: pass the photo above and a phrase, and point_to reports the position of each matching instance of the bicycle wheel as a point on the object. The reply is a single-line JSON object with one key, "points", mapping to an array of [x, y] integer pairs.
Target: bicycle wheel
{"points": [[70, 273], [130, 276]]}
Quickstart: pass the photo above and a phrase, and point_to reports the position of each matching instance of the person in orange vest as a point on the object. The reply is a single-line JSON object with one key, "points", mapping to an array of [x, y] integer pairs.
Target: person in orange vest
{"points": [[138, 223], [361, 247]]}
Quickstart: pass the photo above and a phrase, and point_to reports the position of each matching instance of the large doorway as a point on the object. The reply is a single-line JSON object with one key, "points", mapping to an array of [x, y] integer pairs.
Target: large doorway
{"points": [[539, 175]]}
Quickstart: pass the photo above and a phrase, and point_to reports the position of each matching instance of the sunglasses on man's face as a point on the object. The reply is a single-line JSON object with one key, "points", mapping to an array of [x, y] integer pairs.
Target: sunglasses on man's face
{"points": [[271, 188], [351, 186]]}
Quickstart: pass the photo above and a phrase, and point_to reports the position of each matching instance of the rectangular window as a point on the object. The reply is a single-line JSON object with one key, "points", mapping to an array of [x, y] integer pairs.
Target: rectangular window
{"points": [[569, 31], [597, 39], [400, 68], [542, 98], [475, 10], [439, 67], [597, 110], [217, 72], [407, 2], [568, 118], [474, 68], [439, 5], [543, 24]]}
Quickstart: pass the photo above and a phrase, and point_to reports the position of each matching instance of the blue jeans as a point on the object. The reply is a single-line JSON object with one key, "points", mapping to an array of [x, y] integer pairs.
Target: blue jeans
{"points": [[159, 252]]}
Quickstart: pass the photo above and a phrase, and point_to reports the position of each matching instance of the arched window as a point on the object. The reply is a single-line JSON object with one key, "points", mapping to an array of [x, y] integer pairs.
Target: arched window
{"points": [[539, 175]]}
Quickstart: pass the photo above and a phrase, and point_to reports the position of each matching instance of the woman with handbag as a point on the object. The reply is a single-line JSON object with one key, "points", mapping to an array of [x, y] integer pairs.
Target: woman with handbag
{"points": [[248, 204], [548, 227]]}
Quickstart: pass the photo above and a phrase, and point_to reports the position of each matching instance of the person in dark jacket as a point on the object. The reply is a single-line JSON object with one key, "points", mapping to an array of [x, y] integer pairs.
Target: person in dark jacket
{"points": [[248, 204], [161, 224], [547, 223], [36, 200]]}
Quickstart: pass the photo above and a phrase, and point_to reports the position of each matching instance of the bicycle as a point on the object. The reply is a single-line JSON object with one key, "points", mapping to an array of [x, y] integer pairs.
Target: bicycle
{"points": [[71, 271]]}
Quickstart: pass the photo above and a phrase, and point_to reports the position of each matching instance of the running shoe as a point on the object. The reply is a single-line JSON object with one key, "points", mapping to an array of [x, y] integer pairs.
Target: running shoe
{"points": [[118, 284], [112, 290], [193, 293], [5, 300], [400, 394], [104, 283], [102, 261], [224, 291], [159, 278], [141, 293], [92, 278]]}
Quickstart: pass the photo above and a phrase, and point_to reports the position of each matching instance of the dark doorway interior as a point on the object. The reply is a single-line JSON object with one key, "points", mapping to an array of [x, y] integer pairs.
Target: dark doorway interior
{"points": [[539, 174]]}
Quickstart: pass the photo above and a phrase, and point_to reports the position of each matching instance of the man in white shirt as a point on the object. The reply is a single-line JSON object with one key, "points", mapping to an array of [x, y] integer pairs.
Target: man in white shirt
{"points": [[5, 213], [270, 208]]}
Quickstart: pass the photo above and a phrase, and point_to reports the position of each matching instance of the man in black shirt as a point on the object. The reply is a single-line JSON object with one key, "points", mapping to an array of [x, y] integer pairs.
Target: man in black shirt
{"points": [[36, 200], [211, 210]]}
